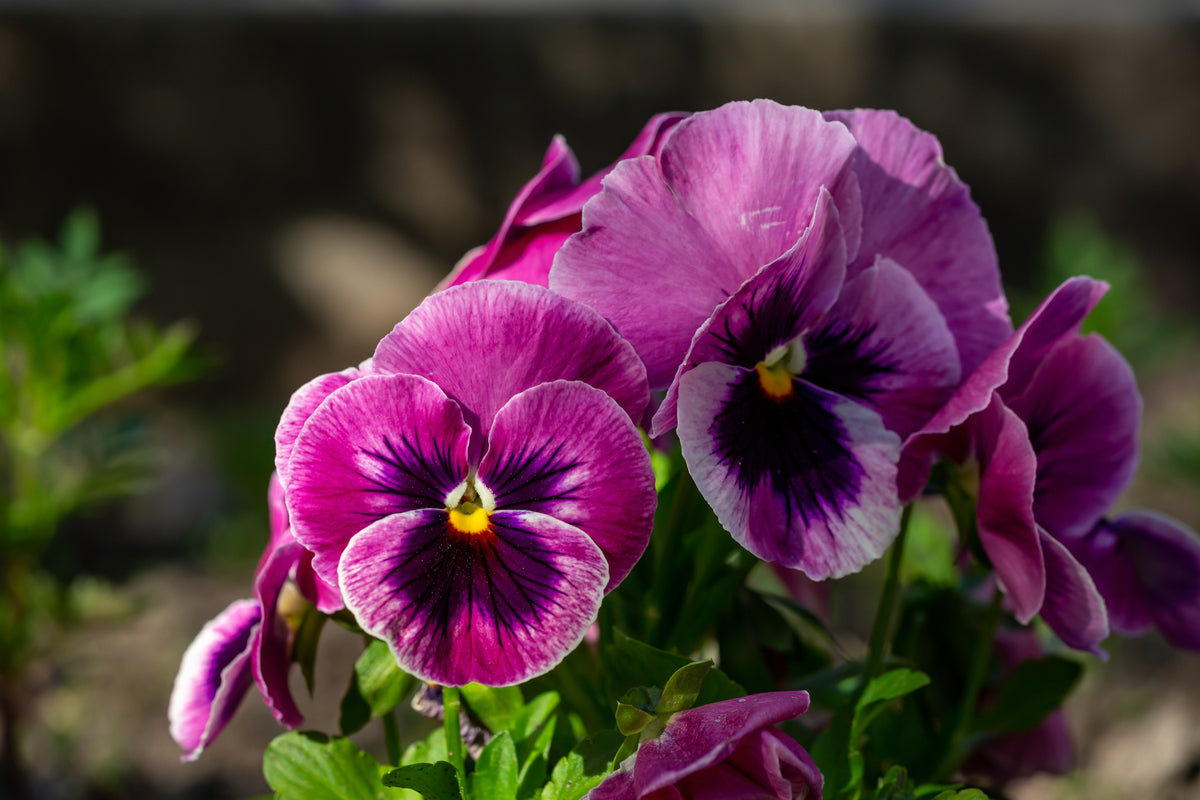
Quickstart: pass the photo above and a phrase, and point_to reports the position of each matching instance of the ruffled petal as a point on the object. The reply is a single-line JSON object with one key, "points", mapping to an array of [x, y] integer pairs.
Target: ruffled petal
{"points": [[808, 480], [1007, 530], [597, 479], [303, 403], [698, 738], [487, 341], [1147, 568], [272, 640], [649, 141], [1013, 361], [546, 211], [1074, 608], [384, 444], [918, 213], [750, 173], [617, 786], [213, 677], [498, 607], [1084, 431], [645, 264], [784, 298], [327, 598], [885, 344]]}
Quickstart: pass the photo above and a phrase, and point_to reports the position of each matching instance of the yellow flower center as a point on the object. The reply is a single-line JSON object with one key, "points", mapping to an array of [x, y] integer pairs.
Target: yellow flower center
{"points": [[470, 518], [781, 365], [774, 379]]}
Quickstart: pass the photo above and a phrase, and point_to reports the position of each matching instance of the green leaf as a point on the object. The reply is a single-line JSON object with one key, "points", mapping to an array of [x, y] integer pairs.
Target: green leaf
{"points": [[382, 683], [895, 785], [627, 662], [308, 766], [497, 708], [631, 720], [432, 781], [534, 756], [961, 794], [431, 749], [583, 768], [887, 687], [1033, 690], [377, 686], [495, 775], [80, 236], [683, 687], [534, 715]]}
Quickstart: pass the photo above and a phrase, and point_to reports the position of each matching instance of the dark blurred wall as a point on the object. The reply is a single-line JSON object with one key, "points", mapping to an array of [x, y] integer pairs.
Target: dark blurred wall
{"points": [[202, 141]]}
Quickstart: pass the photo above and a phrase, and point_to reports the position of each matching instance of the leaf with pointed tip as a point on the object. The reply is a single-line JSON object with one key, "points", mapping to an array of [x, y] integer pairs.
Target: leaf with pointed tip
{"points": [[432, 781]]}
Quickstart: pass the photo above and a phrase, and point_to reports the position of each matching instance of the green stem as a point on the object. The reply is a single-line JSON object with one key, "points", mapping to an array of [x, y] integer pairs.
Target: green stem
{"points": [[392, 736], [667, 561], [887, 602], [454, 744], [980, 660]]}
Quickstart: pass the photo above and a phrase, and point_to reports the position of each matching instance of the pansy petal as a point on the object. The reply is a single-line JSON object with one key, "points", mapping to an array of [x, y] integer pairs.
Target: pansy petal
{"points": [[698, 738], [647, 266], [381, 445], [1007, 471], [272, 641], [885, 344], [303, 403], [213, 677], [808, 481], [617, 786], [558, 175], [649, 141], [1147, 568], [487, 341], [1074, 608], [750, 173], [597, 477], [1084, 431], [1013, 361], [771, 308], [498, 607], [922, 216]]}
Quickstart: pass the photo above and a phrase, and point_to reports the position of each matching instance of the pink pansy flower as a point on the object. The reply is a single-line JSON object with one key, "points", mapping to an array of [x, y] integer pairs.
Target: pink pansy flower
{"points": [[250, 641], [722, 751], [1147, 568], [808, 289], [478, 489], [1051, 418]]}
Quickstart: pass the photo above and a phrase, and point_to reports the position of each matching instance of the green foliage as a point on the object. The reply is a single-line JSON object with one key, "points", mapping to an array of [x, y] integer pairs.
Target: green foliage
{"points": [[496, 770], [376, 687], [1033, 690], [310, 766], [432, 781]]}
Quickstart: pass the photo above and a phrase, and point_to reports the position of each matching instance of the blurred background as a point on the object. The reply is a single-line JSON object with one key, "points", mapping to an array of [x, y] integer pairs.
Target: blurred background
{"points": [[293, 180]]}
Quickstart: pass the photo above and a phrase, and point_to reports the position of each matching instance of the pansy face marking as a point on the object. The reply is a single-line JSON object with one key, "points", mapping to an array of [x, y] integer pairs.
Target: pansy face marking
{"points": [[474, 519]]}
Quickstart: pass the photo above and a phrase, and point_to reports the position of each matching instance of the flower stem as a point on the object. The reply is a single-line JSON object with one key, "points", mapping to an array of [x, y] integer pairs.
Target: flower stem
{"points": [[392, 737], [980, 660], [454, 744], [887, 602]]}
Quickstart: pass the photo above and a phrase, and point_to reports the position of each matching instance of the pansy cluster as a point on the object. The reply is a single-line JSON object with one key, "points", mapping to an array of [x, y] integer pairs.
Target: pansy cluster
{"points": [[804, 310]]}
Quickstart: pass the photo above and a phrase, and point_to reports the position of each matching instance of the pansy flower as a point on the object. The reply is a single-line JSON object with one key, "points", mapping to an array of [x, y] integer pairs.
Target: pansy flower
{"points": [[795, 360], [729, 750], [250, 642], [1052, 455], [545, 212], [1146, 566], [478, 490]]}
